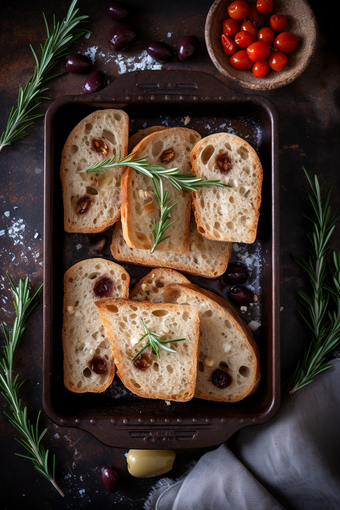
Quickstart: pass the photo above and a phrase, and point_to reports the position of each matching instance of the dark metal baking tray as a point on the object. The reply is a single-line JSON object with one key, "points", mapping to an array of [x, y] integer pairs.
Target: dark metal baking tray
{"points": [[117, 417]]}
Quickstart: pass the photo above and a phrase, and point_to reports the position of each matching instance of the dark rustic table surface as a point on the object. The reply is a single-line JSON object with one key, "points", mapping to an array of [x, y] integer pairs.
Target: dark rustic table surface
{"points": [[309, 115]]}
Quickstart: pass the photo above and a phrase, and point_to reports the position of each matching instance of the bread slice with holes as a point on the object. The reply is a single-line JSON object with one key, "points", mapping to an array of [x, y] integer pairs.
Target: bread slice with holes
{"points": [[204, 257], [85, 344], [150, 286], [226, 343], [172, 376], [227, 214], [169, 148], [137, 137], [92, 200]]}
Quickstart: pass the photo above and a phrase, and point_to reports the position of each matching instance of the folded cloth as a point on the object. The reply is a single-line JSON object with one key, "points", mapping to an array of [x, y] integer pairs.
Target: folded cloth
{"points": [[291, 462]]}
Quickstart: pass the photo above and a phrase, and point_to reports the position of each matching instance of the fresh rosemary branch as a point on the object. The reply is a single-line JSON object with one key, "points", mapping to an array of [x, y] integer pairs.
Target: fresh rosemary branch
{"points": [[324, 324], [32, 440], [155, 342], [180, 181], [156, 173], [30, 97], [162, 199]]}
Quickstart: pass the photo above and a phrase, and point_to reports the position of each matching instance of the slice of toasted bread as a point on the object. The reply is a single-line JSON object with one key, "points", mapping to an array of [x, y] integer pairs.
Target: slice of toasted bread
{"points": [[85, 344], [92, 200], [154, 281], [204, 258], [227, 214], [226, 342], [137, 137], [171, 376], [170, 148]]}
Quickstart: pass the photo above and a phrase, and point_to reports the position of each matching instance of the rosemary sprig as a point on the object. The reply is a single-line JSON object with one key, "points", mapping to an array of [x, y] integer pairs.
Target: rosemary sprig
{"points": [[156, 173], [155, 342], [180, 181], [32, 440], [162, 199], [324, 324], [30, 96]]}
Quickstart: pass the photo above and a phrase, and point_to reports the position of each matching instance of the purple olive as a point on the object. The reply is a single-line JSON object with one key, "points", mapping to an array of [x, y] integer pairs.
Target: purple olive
{"points": [[260, 21], [160, 51], [117, 11], [110, 478], [122, 36], [187, 47], [77, 63], [94, 82], [221, 379], [240, 295], [236, 273]]}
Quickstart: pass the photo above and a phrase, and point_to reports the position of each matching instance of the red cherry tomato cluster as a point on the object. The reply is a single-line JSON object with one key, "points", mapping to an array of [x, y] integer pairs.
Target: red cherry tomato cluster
{"points": [[256, 39]]}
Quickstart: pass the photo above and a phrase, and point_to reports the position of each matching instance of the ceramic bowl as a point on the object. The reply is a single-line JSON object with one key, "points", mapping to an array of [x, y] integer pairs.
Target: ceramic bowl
{"points": [[301, 21]]}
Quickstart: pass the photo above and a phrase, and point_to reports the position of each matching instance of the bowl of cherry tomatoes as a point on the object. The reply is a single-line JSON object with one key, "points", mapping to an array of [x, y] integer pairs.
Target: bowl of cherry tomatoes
{"points": [[261, 44]]}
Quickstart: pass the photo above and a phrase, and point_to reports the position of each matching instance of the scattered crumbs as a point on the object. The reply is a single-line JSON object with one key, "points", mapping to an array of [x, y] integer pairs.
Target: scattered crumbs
{"points": [[169, 34], [187, 120], [56, 436], [36, 235], [67, 476], [37, 170], [144, 125], [91, 53], [81, 478], [126, 454], [88, 35], [7, 214], [256, 298], [67, 438], [281, 308], [168, 403], [24, 494], [222, 126], [207, 126], [103, 54], [254, 325], [78, 246], [243, 308], [74, 466], [2, 232]]}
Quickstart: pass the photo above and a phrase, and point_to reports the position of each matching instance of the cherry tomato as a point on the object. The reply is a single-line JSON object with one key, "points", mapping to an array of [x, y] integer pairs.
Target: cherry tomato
{"points": [[253, 12], [258, 51], [230, 27], [241, 61], [278, 22], [243, 39], [286, 42], [266, 34], [228, 44], [264, 6], [277, 60], [238, 9], [249, 27], [260, 69]]}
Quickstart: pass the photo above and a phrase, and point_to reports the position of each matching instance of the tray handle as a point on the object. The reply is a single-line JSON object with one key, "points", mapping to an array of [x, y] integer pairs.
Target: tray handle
{"points": [[166, 86]]}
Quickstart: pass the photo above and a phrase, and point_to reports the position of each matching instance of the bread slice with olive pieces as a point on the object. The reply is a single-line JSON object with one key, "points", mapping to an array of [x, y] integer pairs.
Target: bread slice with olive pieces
{"points": [[204, 257], [88, 359], [228, 357], [137, 137], [172, 375], [227, 214], [170, 148], [92, 200]]}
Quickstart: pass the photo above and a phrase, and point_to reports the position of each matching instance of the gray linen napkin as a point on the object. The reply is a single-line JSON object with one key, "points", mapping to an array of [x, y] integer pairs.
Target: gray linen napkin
{"points": [[291, 462]]}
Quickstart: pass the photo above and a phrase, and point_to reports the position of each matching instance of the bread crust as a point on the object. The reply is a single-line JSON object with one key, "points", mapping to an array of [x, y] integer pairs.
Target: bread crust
{"points": [[137, 224], [82, 335], [100, 190], [227, 214], [138, 380]]}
